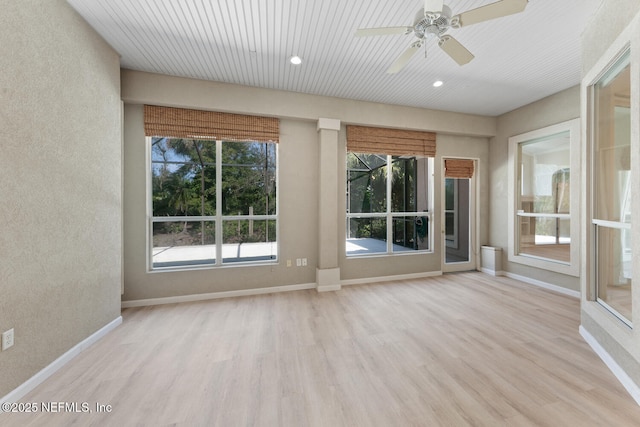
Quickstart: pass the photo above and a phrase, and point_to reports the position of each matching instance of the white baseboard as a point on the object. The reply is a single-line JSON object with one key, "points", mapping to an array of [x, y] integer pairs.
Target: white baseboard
{"points": [[632, 388], [329, 288], [491, 272], [390, 278], [269, 290], [54, 366], [549, 286], [215, 295]]}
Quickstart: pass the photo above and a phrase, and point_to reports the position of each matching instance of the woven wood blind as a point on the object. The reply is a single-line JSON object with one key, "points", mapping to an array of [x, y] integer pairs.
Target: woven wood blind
{"points": [[362, 139], [458, 168], [185, 123]]}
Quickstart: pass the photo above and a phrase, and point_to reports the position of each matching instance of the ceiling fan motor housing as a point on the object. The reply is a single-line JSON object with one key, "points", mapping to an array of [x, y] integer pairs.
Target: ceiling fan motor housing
{"points": [[431, 25]]}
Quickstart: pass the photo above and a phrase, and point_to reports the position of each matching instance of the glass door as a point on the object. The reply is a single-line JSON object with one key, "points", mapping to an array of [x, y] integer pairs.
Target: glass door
{"points": [[458, 219]]}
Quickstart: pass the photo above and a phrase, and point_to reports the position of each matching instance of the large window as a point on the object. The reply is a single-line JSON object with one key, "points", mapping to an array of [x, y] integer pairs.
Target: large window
{"points": [[611, 188], [212, 202], [388, 204], [544, 196]]}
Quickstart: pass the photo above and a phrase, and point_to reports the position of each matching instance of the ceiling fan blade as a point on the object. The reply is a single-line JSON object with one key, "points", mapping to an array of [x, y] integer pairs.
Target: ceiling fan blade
{"points": [[383, 31], [492, 11], [455, 50], [433, 6], [404, 58]]}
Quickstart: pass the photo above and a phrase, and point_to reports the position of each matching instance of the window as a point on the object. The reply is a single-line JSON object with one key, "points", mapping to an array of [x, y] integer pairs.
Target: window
{"points": [[544, 225], [388, 204], [213, 202], [611, 188]]}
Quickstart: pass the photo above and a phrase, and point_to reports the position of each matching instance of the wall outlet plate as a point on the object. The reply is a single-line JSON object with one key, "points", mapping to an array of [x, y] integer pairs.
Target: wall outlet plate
{"points": [[7, 339]]}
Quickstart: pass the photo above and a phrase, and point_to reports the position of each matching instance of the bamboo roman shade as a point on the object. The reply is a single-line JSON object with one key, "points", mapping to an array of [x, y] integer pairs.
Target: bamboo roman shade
{"points": [[186, 123], [458, 168], [396, 142]]}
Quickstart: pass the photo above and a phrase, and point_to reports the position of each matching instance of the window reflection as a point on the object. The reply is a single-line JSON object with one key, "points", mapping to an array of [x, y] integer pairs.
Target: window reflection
{"points": [[545, 198], [612, 190]]}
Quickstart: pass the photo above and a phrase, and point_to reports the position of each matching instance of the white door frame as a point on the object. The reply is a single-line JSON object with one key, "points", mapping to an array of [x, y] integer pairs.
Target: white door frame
{"points": [[474, 212]]}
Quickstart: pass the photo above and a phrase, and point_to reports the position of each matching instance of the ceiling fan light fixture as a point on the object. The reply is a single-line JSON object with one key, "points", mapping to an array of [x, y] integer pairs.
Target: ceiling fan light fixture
{"points": [[437, 83], [295, 60]]}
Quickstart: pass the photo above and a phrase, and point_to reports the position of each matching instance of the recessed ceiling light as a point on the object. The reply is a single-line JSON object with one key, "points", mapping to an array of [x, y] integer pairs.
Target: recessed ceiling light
{"points": [[295, 60], [437, 83]]}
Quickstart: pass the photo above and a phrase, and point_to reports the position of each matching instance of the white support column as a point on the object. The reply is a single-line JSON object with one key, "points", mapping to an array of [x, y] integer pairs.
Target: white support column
{"points": [[328, 270]]}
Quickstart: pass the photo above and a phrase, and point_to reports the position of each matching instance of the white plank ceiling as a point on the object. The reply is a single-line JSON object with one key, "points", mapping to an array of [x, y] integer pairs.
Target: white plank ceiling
{"points": [[518, 59]]}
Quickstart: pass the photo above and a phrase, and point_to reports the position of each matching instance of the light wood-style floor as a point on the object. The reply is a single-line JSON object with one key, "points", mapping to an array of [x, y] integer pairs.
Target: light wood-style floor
{"points": [[457, 350]]}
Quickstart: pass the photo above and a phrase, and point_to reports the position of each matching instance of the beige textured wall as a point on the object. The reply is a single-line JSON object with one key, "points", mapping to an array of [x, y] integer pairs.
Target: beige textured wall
{"points": [[616, 24], [554, 109], [60, 168], [298, 180], [603, 28], [146, 88]]}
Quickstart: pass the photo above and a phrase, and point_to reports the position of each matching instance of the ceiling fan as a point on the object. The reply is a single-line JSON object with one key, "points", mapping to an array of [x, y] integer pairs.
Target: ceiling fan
{"points": [[435, 19]]}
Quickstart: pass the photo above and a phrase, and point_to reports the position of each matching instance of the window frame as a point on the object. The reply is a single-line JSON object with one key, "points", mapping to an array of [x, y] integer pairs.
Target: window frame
{"points": [[389, 215], [514, 191], [217, 219], [594, 224]]}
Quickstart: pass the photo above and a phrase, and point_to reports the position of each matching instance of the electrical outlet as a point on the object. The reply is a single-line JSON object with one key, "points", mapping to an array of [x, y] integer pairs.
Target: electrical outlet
{"points": [[7, 339], [304, 262], [288, 263], [298, 262]]}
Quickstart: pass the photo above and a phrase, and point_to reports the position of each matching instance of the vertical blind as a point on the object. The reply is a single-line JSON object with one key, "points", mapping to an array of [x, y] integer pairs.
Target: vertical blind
{"points": [[396, 142], [458, 168], [187, 123]]}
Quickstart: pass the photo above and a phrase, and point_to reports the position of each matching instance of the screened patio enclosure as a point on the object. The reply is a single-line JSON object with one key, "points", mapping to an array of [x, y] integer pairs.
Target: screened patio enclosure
{"points": [[387, 204]]}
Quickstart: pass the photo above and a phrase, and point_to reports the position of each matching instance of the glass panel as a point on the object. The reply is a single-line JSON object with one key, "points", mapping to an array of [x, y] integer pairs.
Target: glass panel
{"points": [[545, 174], [449, 225], [410, 233], [449, 194], [451, 213], [366, 236], [548, 238], [248, 178], [614, 268], [249, 240], [457, 220], [366, 183], [404, 184], [183, 243], [183, 177], [613, 191], [612, 144]]}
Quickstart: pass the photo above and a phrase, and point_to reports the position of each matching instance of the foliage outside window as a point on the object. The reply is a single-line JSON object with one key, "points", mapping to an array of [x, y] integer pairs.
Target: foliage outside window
{"points": [[387, 204], [611, 189], [544, 226], [212, 202]]}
